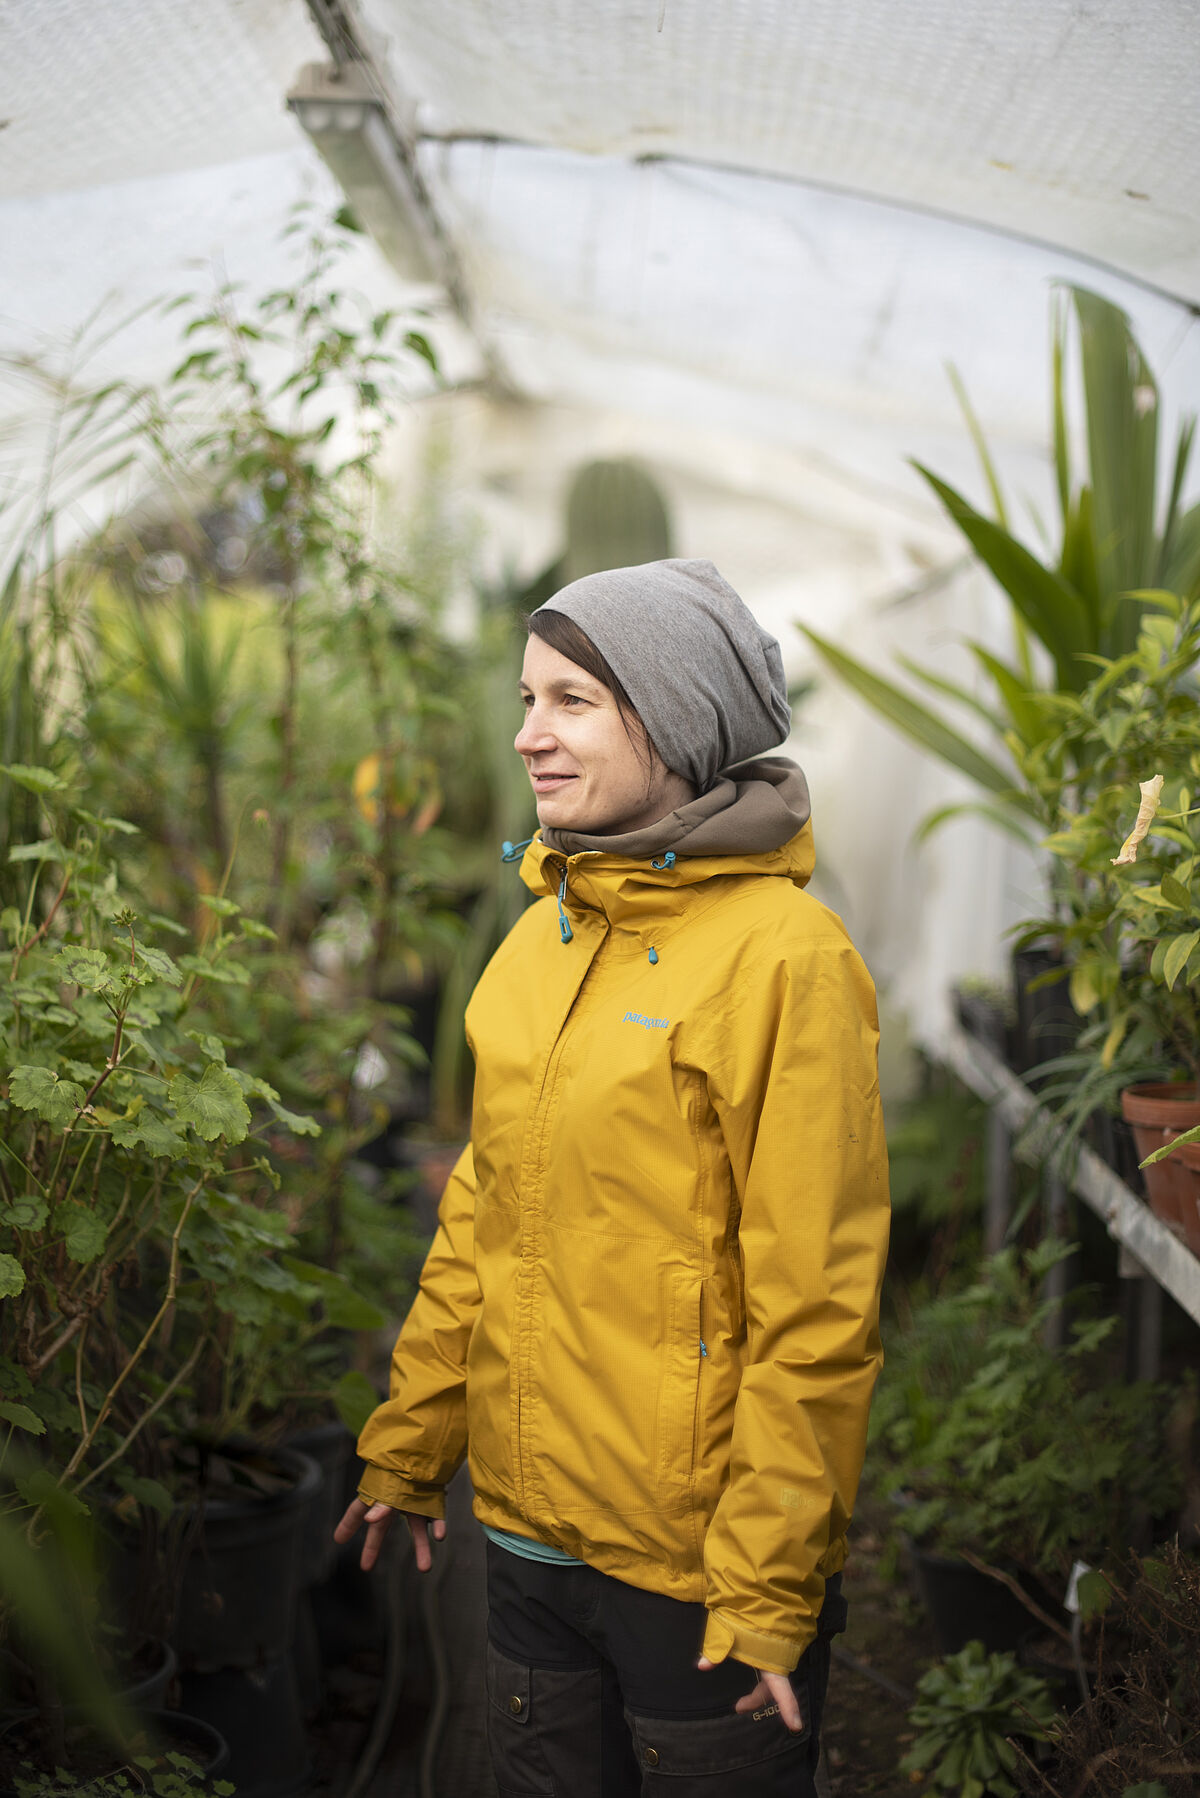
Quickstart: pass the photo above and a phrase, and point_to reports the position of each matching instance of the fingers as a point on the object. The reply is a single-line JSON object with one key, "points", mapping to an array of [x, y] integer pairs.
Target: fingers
{"points": [[351, 1519], [420, 1528], [755, 1700], [774, 1689]]}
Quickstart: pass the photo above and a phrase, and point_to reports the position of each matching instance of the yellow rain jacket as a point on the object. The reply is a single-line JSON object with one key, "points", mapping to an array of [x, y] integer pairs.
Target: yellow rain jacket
{"points": [[650, 1312]]}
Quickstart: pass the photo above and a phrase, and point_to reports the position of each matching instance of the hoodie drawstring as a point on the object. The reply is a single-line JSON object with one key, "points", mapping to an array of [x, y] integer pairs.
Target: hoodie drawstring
{"points": [[668, 861], [511, 852], [564, 923]]}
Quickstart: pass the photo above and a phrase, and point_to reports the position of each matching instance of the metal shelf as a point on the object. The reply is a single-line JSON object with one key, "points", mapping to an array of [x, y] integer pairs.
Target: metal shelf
{"points": [[1128, 1219]]}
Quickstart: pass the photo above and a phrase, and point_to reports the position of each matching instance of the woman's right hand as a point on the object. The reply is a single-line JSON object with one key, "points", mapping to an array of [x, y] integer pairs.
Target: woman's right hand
{"points": [[379, 1519]]}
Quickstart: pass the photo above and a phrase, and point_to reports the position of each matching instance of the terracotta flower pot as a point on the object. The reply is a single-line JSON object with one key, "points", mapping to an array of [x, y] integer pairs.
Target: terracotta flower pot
{"points": [[1189, 1157], [1158, 1112]]}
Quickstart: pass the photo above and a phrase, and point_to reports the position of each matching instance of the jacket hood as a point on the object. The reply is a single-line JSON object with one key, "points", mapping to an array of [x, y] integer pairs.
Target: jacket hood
{"points": [[755, 820], [751, 807]]}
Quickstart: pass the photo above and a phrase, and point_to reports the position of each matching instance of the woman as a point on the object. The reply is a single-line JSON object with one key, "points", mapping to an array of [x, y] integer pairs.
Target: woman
{"points": [[649, 1316]]}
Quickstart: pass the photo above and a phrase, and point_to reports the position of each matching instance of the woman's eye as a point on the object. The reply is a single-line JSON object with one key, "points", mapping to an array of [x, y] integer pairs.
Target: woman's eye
{"points": [[572, 699]]}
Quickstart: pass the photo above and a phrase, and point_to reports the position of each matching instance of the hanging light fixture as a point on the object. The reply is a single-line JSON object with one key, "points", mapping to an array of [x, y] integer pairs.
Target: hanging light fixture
{"points": [[354, 135]]}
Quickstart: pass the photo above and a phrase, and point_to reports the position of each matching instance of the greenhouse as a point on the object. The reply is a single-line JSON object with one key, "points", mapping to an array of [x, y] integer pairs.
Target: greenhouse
{"points": [[599, 645]]}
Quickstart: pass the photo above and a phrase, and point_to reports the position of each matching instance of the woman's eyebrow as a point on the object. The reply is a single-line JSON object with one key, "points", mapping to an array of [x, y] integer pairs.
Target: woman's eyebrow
{"points": [[585, 683]]}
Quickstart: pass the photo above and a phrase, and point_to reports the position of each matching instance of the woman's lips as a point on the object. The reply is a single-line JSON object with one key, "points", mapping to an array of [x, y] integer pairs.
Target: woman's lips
{"points": [[549, 783]]}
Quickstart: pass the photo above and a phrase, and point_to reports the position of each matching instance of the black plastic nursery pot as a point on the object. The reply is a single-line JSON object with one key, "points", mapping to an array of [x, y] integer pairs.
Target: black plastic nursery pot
{"points": [[257, 1710], [241, 1581], [160, 1732], [1047, 1023], [965, 1605], [235, 1627]]}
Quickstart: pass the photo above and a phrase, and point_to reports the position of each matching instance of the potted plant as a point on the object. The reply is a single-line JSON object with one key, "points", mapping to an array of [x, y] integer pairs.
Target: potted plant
{"points": [[1009, 1458], [1130, 930], [969, 1707], [151, 1293]]}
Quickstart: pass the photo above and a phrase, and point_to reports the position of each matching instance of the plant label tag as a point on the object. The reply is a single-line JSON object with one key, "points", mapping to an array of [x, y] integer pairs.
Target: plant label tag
{"points": [[1071, 1601]]}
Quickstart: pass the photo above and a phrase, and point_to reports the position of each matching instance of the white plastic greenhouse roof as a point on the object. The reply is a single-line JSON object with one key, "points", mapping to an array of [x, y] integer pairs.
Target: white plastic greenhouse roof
{"points": [[776, 219]]}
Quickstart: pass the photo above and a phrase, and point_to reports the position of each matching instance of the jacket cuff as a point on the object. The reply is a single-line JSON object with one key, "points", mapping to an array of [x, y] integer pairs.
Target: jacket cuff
{"points": [[724, 1636], [377, 1486]]}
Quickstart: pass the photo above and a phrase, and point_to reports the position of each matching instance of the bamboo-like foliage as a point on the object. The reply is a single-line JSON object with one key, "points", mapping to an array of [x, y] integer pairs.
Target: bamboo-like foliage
{"points": [[1076, 605]]}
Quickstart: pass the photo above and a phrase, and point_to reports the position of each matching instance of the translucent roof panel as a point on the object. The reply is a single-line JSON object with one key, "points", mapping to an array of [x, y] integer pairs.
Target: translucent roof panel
{"points": [[1076, 124]]}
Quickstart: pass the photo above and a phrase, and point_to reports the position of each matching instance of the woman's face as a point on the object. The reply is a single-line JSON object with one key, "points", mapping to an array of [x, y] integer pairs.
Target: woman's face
{"points": [[586, 773]]}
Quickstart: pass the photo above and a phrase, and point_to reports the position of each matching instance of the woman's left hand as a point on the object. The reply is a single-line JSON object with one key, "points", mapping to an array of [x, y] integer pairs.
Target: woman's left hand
{"points": [[772, 1688]]}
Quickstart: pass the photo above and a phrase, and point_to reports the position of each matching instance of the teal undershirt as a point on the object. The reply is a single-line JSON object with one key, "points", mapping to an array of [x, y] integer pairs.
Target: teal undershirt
{"points": [[530, 1550]]}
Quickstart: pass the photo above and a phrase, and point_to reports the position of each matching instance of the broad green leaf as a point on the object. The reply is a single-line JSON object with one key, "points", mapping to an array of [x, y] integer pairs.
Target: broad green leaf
{"points": [[1028, 718], [211, 1045], [88, 968], [157, 1135], [160, 965], [213, 1106], [914, 719], [1052, 608], [1122, 428], [34, 780], [41, 1488], [355, 1398], [1175, 959], [252, 927], [25, 1213], [1174, 891], [83, 1232], [146, 1492], [214, 902], [41, 1091], [295, 1121], [22, 1417], [12, 1277], [46, 850]]}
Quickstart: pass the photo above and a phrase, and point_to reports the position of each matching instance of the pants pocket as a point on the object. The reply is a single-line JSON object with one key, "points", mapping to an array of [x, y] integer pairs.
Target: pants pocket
{"points": [[751, 1754], [543, 1727]]}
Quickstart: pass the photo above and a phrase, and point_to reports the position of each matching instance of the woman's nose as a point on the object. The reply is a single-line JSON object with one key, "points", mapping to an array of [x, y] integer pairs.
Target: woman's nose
{"points": [[533, 735]]}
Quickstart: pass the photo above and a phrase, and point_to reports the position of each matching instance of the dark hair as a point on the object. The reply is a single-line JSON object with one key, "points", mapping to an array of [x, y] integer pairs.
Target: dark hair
{"points": [[570, 640]]}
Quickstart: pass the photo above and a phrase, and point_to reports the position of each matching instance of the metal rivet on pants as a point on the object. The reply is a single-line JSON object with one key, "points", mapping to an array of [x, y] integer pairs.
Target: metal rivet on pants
{"points": [[515, 1706], [652, 1757]]}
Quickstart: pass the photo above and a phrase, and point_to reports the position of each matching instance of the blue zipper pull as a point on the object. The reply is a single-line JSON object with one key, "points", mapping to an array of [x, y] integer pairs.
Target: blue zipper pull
{"points": [[653, 957], [564, 923], [703, 1350]]}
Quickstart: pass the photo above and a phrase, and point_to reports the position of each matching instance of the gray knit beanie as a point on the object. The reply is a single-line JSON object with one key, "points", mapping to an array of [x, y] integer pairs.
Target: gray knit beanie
{"points": [[705, 679]]}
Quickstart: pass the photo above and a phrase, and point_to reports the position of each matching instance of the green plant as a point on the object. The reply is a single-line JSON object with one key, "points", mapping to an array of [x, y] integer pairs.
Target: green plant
{"points": [[1127, 920], [1082, 602], [967, 1708], [1006, 1450], [170, 1775], [1140, 1733]]}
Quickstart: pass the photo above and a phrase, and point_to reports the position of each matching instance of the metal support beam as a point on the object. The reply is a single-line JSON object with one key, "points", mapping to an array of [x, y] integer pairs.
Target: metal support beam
{"points": [[1128, 1220], [997, 1183]]}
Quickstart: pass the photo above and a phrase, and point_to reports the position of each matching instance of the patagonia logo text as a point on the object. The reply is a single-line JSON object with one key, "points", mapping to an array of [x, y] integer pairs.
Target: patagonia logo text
{"points": [[639, 1017]]}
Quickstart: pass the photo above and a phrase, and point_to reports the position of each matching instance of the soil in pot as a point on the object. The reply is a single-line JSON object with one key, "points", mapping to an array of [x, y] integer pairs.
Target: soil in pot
{"points": [[89, 1755], [1158, 1111]]}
